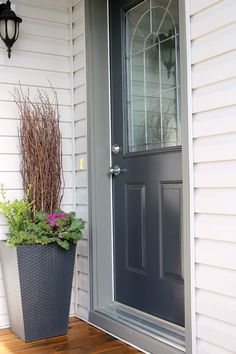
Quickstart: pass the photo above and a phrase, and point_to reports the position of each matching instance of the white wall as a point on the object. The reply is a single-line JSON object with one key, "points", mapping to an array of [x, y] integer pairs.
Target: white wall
{"points": [[213, 28], [80, 116], [42, 53]]}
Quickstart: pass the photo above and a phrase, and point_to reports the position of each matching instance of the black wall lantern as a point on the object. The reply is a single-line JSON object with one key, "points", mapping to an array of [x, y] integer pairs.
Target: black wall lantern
{"points": [[168, 50], [9, 25]]}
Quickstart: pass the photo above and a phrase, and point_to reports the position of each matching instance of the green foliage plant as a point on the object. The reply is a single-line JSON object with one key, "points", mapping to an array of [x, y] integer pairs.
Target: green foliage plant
{"points": [[30, 227]]}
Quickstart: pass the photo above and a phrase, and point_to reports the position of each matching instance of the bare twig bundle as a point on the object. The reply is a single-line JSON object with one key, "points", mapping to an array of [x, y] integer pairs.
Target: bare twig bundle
{"points": [[41, 148]]}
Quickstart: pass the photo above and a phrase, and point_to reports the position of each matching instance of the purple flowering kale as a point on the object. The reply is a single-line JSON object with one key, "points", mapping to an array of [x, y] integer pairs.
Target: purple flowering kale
{"points": [[52, 218]]}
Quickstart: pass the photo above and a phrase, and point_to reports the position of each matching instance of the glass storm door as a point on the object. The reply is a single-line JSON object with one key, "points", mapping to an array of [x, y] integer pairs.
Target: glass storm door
{"points": [[146, 157]]}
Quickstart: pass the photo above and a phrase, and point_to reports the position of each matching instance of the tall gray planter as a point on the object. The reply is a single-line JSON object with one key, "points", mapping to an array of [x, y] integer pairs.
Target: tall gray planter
{"points": [[38, 282]]}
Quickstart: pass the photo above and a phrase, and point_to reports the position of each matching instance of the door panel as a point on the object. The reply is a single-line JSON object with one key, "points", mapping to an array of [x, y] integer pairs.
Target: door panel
{"points": [[135, 234], [170, 230], [147, 194]]}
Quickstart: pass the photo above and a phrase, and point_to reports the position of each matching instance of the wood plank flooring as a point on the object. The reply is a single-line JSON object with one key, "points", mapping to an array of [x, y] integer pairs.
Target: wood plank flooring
{"points": [[81, 338]]}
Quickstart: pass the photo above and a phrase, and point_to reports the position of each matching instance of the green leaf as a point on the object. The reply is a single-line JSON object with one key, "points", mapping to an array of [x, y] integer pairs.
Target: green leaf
{"points": [[40, 216], [77, 224], [64, 244], [61, 222]]}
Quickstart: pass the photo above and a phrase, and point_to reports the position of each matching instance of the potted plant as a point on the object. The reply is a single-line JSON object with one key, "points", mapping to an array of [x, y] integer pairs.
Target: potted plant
{"points": [[38, 255]]}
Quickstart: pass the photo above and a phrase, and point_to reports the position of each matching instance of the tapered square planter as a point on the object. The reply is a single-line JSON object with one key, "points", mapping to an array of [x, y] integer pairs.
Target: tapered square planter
{"points": [[38, 282]]}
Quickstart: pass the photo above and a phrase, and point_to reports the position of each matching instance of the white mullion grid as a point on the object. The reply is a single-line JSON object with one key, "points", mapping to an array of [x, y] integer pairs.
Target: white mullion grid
{"points": [[129, 66], [154, 45], [131, 78], [145, 96], [160, 86], [151, 19], [178, 132], [131, 125], [163, 18]]}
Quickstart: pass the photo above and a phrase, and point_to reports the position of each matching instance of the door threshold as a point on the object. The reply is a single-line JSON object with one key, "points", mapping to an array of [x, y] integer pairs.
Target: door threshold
{"points": [[159, 330], [156, 322]]}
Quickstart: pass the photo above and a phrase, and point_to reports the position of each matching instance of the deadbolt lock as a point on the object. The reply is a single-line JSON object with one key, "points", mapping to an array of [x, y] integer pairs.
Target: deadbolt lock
{"points": [[115, 149]]}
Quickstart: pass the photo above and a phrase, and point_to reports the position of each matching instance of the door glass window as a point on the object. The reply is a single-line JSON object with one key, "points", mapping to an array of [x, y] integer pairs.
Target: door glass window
{"points": [[152, 65]]}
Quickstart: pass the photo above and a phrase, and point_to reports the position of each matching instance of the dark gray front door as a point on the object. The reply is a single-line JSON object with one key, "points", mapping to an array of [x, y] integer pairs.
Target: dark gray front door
{"points": [[146, 124]]}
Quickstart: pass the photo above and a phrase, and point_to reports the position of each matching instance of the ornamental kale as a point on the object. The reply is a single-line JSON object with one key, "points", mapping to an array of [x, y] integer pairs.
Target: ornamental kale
{"points": [[30, 227], [52, 218]]}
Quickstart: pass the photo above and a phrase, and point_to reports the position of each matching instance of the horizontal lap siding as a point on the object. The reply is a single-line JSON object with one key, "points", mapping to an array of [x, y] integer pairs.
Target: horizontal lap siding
{"points": [[213, 26], [79, 76], [41, 56]]}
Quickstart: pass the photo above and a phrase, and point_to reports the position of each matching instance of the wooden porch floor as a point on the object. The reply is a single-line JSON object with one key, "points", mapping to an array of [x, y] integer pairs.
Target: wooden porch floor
{"points": [[81, 338]]}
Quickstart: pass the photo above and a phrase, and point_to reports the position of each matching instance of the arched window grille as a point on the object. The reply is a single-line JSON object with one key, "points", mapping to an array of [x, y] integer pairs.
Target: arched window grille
{"points": [[152, 63]]}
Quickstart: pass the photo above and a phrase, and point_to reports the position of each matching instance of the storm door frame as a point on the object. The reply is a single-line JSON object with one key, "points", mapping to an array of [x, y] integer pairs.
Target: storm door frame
{"points": [[103, 313]]}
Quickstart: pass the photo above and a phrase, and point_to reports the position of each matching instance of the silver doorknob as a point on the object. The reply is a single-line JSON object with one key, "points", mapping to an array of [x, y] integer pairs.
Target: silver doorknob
{"points": [[114, 170], [115, 149]]}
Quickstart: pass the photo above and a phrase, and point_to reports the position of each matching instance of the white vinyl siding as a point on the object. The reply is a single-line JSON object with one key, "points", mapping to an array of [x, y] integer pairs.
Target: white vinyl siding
{"points": [[80, 117], [213, 49], [41, 55]]}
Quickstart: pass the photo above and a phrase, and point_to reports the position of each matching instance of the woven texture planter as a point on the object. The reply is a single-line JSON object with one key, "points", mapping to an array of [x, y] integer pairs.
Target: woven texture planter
{"points": [[38, 282]]}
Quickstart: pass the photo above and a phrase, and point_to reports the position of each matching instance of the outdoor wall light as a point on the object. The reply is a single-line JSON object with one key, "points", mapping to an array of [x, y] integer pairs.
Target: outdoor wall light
{"points": [[168, 50], [9, 25]]}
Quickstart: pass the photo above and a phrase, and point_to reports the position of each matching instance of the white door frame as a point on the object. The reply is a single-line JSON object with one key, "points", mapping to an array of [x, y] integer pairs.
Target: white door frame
{"points": [[102, 313]]}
